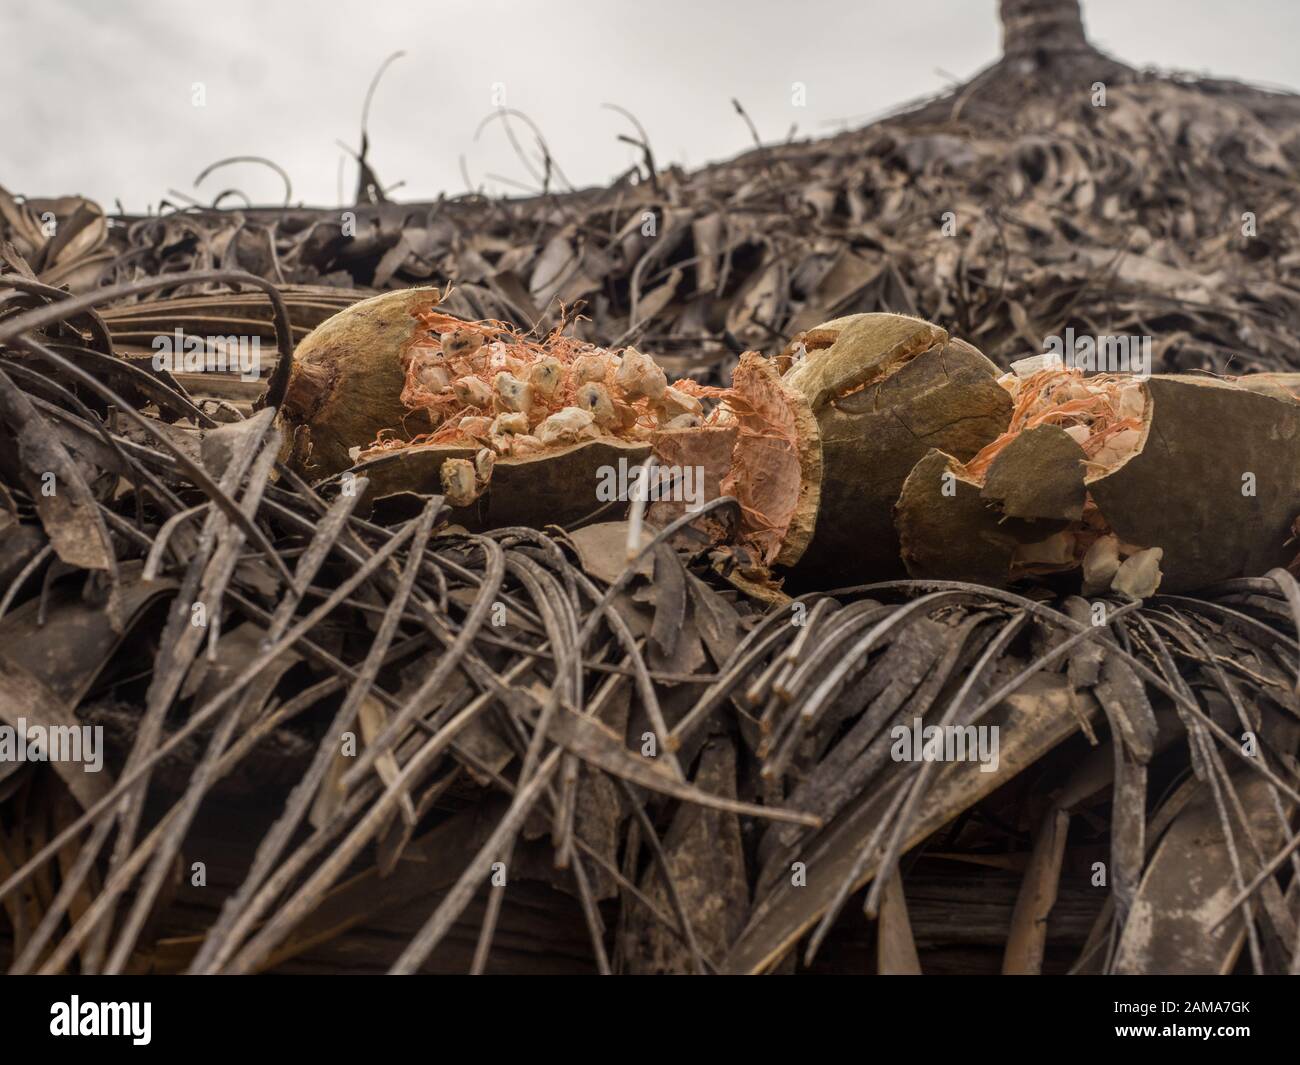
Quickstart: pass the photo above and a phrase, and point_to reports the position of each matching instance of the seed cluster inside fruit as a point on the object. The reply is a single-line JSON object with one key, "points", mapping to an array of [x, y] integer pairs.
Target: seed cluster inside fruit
{"points": [[482, 382], [1102, 413]]}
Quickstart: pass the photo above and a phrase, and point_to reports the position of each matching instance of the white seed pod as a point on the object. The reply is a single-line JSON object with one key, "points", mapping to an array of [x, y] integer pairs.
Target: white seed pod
{"points": [[682, 421], [1100, 564], [1139, 575], [639, 375], [458, 484], [484, 464], [1027, 367], [1131, 402], [1117, 448], [474, 425], [431, 373], [509, 424], [565, 426], [1056, 550], [675, 402], [588, 368], [510, 393], [500, 359], [524, 444], [461, 343], [545, 375], [472, 392], [594, 399]]}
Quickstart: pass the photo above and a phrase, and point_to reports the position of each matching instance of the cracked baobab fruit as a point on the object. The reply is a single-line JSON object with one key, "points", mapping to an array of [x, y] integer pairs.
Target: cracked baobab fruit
{"points": [[874, 443], [1115, 476], [413, 399], [830, 429]]}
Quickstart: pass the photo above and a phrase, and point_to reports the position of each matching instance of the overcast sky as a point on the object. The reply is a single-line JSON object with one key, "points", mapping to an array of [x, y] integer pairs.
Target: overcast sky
{"points": [[99, 95]]}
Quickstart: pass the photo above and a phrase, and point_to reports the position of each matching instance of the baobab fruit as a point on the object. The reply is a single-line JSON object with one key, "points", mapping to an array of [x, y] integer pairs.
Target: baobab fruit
{"points": [[548, 412], [885, 389], [1150, 498], [824, 448]]}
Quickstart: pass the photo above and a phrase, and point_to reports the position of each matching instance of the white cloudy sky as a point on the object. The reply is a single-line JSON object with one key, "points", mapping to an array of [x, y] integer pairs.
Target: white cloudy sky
{"points": [[98, 99]]}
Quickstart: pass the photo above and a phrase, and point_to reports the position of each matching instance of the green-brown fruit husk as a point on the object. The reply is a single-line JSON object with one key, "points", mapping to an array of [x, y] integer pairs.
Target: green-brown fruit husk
{"points": [[1184, 490], [346, 383], [948, 530], [556, 487]]}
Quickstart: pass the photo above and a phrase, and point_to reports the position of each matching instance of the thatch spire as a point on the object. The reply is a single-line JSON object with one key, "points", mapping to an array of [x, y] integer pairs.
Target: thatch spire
{"points": [[1042, 27]]}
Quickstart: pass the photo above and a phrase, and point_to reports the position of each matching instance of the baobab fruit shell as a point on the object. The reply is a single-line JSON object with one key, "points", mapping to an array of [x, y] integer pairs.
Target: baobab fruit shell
{"points": [[554, 487], [1187, 491], [1218, 504], [346, 383], [946, 528], [950, 529], [886, 390]]}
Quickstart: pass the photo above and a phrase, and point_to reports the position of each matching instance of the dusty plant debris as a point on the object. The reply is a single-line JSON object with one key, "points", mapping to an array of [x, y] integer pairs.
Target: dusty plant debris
{"points": [[374, 679]]}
